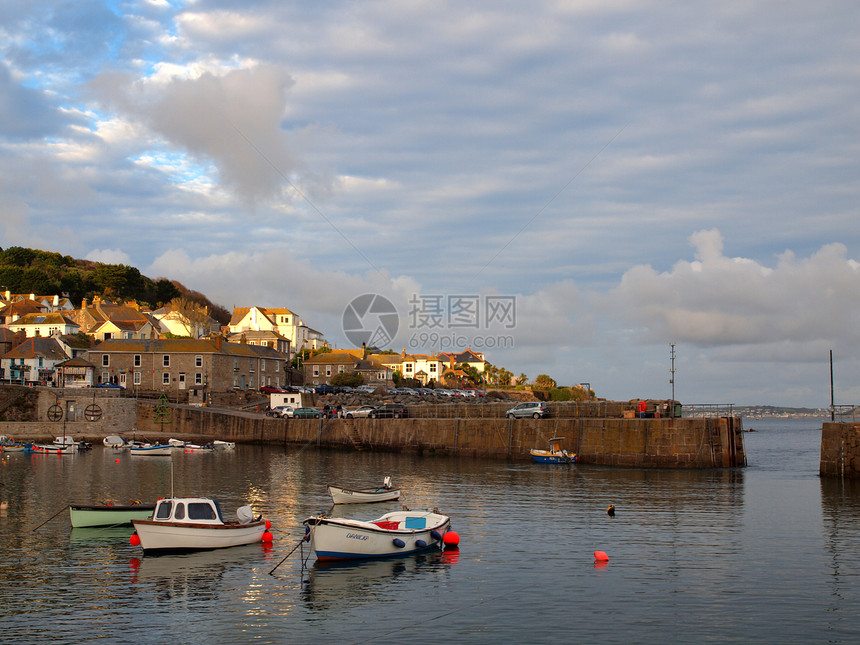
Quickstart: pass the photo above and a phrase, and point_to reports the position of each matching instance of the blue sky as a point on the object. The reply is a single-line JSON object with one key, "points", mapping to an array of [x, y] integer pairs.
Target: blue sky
{"points": [[632, 174]]}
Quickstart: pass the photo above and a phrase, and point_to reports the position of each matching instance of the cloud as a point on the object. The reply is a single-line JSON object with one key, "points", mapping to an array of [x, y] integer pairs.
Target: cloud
{"points": [[716, 300], [109, 256]]}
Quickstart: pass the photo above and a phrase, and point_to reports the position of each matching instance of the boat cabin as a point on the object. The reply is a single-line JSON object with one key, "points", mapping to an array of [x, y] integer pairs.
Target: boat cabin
{"points": [[199, 510]]}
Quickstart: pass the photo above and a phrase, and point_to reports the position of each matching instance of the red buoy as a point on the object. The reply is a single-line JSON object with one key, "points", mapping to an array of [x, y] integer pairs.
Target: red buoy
{"points": [[134, 539], [451, 538], [601, 556], [268, 525], [267, 537]]}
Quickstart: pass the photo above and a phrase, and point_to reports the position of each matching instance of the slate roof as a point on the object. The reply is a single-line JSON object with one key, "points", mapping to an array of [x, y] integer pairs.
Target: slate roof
{"points": [[38, 347], [184, 345]]}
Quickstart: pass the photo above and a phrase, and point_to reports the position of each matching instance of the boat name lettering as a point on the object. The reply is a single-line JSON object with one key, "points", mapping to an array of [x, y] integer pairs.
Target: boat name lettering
{"points": [[356, 536]]}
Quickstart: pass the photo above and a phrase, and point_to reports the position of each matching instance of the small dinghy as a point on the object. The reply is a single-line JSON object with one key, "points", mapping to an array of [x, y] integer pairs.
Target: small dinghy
{"points": [[384, 493], [196, 524], [83, 515], [155, 450], [398, 533], [554, 455]]}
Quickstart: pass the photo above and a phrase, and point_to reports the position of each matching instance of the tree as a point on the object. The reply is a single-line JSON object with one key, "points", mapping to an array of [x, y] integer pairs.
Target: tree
{"points": [[348, 379], [522, 379], [504, 377], [544, 380], [193, 317]]}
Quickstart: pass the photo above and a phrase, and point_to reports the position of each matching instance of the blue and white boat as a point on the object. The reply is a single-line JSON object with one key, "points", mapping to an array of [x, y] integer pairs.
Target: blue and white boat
{"points": [[555, 455], [398, 533]]}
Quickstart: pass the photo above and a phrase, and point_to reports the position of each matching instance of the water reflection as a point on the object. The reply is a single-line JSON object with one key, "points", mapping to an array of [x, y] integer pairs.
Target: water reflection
{"points": [[347, 584]]}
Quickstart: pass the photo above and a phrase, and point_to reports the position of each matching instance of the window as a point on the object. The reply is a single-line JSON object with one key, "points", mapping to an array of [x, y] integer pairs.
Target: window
{"points": [[137, 378], [165, 378], [180, 511], [105, 376], [198, 361], [165, 360], [163, 511], [251, 382], [200, 511], [262, 364], [198, 378], [340, 369], [105, 360], [235, 380], [316, 370], [41, 362], [235, 364], [250, 364], [137, 360], [328, 370]]}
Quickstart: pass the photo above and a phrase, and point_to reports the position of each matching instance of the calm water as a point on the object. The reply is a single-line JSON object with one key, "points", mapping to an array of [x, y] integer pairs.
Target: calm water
{"points": [[767, 553]]}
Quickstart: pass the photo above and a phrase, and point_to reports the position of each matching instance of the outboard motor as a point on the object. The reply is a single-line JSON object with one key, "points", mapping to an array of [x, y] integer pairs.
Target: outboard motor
{"points": [[245, 514]]}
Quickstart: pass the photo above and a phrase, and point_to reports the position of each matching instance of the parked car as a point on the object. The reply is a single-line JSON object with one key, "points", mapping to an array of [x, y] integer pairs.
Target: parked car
{"points": [[111, 385], [358, 413], [282, 411], [389, 411], [325, 388], [271, 389], [534, 409], [306, 413]]}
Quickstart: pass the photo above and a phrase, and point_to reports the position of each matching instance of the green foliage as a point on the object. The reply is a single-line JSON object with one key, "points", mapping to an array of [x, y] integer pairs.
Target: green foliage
{"points": [[44, 273], [348, 379], [545, 381]]}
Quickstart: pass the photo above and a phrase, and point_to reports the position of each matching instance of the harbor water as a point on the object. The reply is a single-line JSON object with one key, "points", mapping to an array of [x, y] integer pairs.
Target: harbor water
{"points": [[761, 554]]}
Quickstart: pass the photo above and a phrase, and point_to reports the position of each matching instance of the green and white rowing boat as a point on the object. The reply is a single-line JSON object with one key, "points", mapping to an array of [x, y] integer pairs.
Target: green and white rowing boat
{"points": [[108, 515]]}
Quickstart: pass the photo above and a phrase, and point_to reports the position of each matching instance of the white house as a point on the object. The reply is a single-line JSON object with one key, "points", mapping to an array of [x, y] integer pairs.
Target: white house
{"points": [[44, 325]]}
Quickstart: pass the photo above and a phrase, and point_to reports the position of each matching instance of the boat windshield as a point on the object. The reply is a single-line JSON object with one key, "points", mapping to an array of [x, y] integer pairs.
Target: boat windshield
{"points": [[163, 511], [201, 511]]}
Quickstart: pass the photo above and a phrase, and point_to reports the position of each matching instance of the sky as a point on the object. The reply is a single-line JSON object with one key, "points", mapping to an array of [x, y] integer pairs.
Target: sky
{"points": [[576, 188]]}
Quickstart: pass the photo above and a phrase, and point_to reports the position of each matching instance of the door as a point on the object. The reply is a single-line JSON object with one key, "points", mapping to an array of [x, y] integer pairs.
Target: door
{"points": [[181, 380]]}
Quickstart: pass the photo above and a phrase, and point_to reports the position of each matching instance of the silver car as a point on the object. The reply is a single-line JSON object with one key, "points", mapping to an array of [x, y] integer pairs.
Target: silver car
{"points": [[358, 413], [533, 409]]}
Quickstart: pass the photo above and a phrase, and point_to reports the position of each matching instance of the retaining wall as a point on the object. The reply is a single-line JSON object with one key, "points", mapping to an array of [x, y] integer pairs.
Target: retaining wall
{"points": [[840, 450]]}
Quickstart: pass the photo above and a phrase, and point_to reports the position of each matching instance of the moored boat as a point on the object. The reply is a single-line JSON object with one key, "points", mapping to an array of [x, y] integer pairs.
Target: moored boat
{"points": [[114, 441], [556, 454], [153, 450], [384, 493], [393, 534], [82, 515], [224, 445], [51, 449], [196, 524]]}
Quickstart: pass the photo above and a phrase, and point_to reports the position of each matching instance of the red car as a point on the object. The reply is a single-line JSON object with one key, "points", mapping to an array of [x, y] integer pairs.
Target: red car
{"points": [[272, 389]]}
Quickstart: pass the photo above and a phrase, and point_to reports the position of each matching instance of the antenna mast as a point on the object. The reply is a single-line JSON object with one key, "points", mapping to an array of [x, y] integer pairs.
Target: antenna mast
{"points": [[672, 370]]}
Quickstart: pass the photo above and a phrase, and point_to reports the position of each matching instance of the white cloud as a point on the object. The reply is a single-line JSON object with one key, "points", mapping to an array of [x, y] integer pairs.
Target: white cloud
{"points": [[108, 256]]}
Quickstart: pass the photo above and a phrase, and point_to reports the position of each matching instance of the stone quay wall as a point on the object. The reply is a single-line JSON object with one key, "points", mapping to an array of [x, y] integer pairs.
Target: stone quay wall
{"points": [[840, 450], [650, 443], [632, 442]]}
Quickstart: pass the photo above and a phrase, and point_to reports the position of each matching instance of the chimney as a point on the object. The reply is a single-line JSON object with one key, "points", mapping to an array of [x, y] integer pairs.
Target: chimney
{"points": [[403, 355], [56, 301], [219, 343], [363, 351], [84, 303]]}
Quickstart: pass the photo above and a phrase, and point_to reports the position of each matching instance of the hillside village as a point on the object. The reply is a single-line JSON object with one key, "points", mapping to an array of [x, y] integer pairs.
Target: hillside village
{"points": [[179, 350]]}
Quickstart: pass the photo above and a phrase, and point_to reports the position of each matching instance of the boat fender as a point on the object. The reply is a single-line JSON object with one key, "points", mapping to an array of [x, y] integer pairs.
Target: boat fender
{"points": [[399, 543], [307, 533], [134, 539], [420, 544], [436, 535]]}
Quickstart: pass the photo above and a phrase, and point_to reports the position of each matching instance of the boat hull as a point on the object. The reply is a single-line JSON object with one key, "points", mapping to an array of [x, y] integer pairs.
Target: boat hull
{"points": [[344, 539], [364, 496], [55, 450], [151, 451], [547, 457], [172, 537], [84, 516]]}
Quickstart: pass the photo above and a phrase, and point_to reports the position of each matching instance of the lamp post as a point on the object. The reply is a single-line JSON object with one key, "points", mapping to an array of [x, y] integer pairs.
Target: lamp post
{"points": [[672, 370]]}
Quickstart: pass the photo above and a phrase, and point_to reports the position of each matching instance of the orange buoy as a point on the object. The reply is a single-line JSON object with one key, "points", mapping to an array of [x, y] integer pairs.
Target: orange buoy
{"points": [[267, 537], [450, 539], [601, 556]]}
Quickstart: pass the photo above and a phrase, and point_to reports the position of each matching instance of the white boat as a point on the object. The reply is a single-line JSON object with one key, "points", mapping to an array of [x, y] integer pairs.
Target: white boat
{"points": [[187, 446], [384, 493], [51, 449], [195, 524], [114, 441], [154, 450], [393, 534], [224, 445]]}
